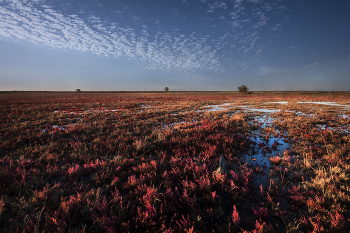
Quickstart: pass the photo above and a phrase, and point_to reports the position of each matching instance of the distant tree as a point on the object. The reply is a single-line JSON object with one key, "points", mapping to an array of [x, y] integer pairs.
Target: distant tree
{"points": [[166, 89], [78, 90], [243, 89]]}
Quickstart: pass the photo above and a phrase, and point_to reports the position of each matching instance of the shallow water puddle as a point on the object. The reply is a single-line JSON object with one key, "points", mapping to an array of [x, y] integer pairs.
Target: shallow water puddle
{"points": [[171, 125], [227, 106], [278, 102], [263, 121], [60, 127], [261, 110], [147, 106], [345, 129], [102, 110], [325, 103], [215, 108], [344, 116], [264, 148]]}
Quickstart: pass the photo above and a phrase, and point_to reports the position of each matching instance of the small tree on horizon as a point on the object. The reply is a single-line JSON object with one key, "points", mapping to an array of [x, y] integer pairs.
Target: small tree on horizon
{"points": [[243, 88], [78, 90], [166, 89]]}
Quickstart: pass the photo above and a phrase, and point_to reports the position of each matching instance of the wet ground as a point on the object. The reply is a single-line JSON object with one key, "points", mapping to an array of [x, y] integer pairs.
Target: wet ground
{"points": [[281, 164], [266, 147]]}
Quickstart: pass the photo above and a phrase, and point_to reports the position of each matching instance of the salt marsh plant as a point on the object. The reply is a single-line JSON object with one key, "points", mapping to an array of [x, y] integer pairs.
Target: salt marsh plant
{"points": [[152, 162]]}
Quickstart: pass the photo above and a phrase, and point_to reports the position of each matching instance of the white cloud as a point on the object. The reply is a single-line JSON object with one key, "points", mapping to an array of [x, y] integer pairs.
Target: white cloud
{"points": [[217, 5], [171, 49], [268, 7], [262, 19], [22, 20], [253, 1], [276, 27]]}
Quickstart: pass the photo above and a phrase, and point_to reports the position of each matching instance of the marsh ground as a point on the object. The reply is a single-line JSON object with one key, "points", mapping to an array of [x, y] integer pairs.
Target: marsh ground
{"points": [[174, 162]]}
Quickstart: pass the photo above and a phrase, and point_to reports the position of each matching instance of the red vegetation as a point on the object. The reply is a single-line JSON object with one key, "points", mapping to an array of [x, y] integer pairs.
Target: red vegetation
{"points": [[153, 163]]}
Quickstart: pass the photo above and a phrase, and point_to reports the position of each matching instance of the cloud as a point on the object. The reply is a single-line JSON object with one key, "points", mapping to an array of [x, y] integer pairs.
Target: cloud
{"points": [[24, 20], [217, 5], [231, 37], [262, 19], [276, 27], [253, 1]]}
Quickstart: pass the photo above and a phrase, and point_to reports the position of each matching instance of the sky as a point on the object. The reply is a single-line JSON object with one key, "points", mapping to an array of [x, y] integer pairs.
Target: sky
{"points": [[198, 45]]}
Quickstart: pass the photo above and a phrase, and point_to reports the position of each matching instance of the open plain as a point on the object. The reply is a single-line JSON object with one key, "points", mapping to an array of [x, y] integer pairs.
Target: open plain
{"points": [[174, 162]]}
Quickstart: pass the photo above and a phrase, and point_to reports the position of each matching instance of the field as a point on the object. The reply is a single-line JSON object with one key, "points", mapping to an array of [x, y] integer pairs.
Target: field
{"points": [[174, 162]]}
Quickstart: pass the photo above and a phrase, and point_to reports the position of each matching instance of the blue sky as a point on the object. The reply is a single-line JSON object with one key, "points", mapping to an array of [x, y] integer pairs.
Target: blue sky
{"points": [[274, 45]]}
